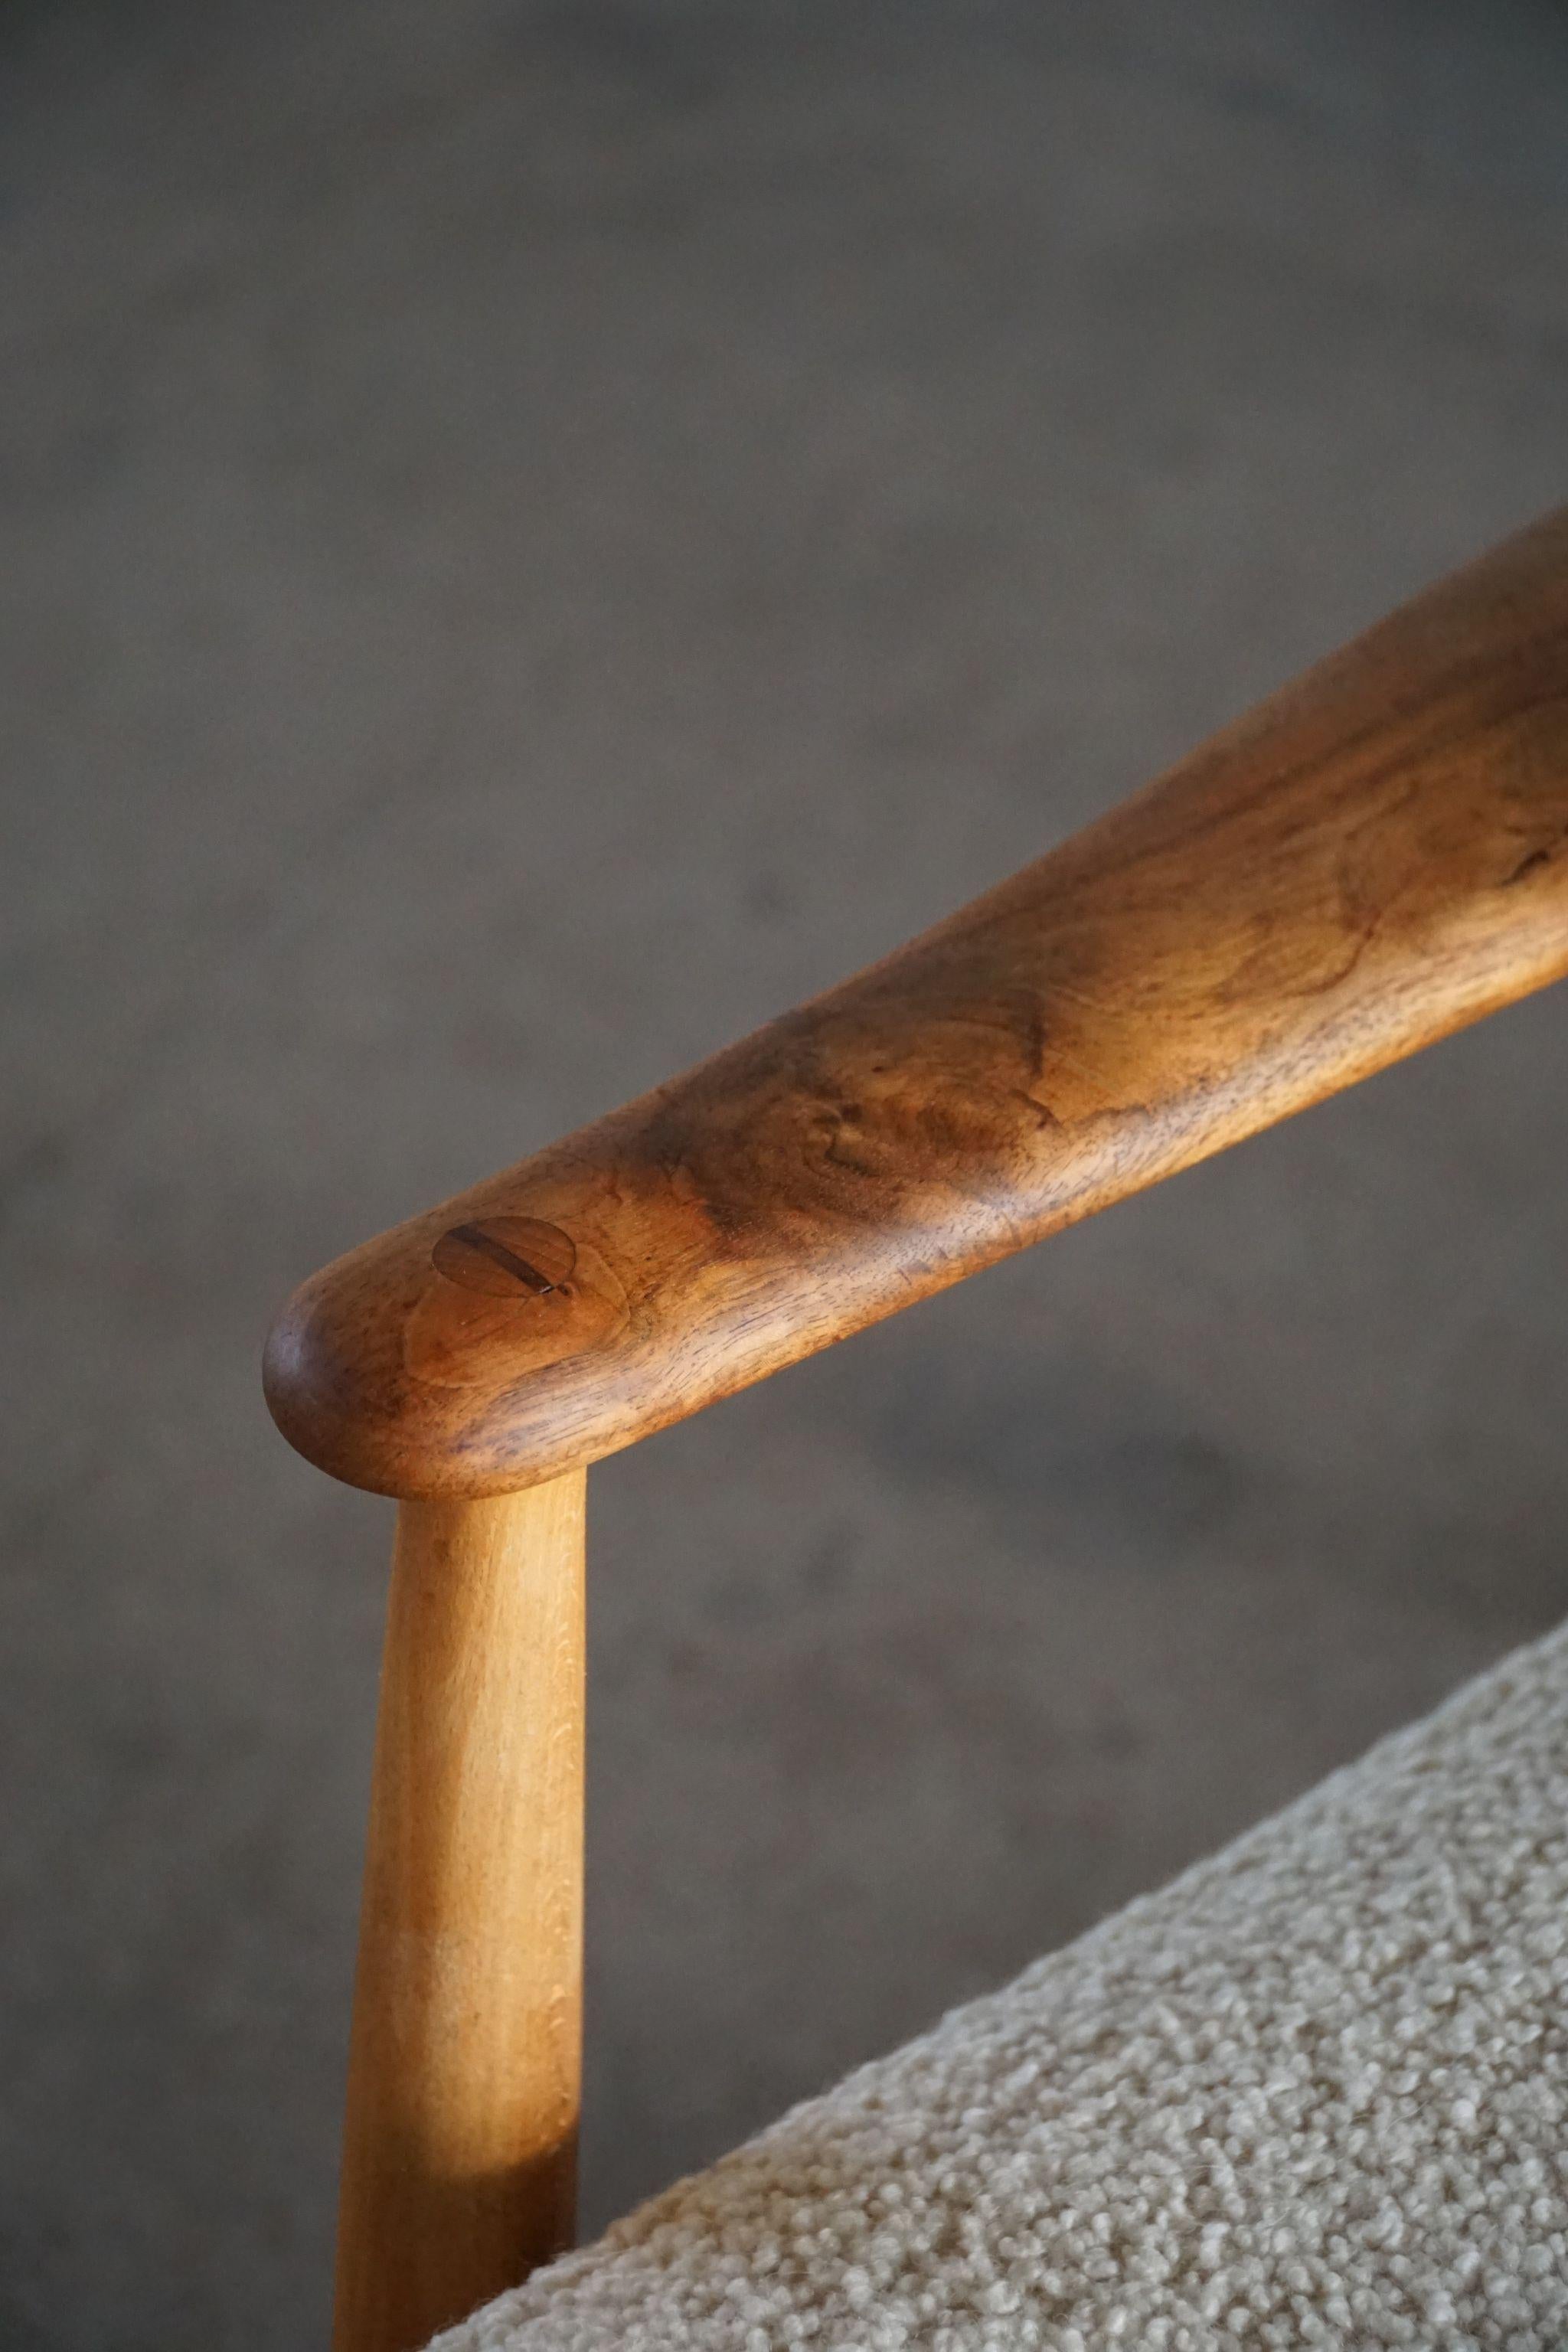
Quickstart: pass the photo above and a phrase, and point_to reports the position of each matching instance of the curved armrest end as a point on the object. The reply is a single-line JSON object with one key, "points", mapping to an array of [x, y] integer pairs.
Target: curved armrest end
{"points": [[1374, 857]]}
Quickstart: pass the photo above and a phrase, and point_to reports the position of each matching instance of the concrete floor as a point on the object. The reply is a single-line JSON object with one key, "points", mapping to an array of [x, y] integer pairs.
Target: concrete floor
{"points": [[536, 536]]}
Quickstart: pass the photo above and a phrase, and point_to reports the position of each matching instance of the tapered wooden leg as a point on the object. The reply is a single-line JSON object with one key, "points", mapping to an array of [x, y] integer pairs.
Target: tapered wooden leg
{"points": [[459, 2140]]}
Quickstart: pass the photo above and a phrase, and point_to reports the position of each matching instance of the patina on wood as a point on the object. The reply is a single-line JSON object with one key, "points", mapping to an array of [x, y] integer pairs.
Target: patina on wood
{"points": [[1374, 857]]}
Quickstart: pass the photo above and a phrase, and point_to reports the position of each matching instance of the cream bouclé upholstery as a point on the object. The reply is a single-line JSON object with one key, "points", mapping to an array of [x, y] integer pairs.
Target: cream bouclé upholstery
{"points": [[1313, 2092]]}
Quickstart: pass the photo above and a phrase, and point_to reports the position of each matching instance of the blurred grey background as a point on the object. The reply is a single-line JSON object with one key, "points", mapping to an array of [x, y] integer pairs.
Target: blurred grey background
{"points": [[537, 535]]}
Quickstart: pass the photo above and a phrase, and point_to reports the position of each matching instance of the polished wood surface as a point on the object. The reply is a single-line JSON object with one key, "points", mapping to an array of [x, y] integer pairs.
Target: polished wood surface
{"points": [[1376, 856], [459, 2143]]}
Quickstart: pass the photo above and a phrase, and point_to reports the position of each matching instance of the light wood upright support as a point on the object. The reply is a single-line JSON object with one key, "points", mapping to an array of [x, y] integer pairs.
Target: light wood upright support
{"points": [[459, 2143]]}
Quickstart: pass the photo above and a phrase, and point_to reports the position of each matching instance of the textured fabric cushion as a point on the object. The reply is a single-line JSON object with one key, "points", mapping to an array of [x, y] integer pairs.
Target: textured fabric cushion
{"points": [[1314, 2093]]}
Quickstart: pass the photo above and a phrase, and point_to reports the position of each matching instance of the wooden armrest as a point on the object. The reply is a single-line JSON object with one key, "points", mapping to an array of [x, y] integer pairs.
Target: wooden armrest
{"points": [[1374, 857]]}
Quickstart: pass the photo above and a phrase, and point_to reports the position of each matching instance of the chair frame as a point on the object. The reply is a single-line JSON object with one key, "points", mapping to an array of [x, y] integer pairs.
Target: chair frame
{"points": [[1375, 857]]}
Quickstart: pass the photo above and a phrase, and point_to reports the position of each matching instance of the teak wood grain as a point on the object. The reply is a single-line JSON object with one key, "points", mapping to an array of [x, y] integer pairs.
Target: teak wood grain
{"points": [[459, 2138], [1374, 857]]}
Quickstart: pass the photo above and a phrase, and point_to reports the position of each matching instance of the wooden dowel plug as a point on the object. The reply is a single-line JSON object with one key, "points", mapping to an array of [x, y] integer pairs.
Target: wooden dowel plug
{"points": [[459, 2139]]}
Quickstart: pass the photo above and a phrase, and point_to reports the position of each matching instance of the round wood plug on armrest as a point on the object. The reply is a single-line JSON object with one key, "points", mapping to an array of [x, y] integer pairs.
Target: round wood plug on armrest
{"points": [[1374, 857]]}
